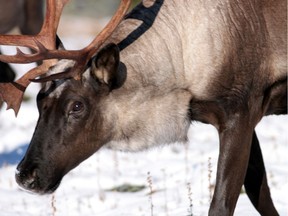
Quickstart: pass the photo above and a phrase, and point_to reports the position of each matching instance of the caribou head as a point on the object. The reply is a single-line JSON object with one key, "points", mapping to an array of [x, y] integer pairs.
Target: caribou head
{"points": [[71, 125], [65, 101]]}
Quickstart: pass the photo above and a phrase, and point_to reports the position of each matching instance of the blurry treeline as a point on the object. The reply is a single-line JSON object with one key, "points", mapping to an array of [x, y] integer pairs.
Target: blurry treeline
{"points": [[94, 8]]}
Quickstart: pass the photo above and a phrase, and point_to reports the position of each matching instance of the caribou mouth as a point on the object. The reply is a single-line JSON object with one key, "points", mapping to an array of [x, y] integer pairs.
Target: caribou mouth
{"points": [[35, 185], [51, 189]]}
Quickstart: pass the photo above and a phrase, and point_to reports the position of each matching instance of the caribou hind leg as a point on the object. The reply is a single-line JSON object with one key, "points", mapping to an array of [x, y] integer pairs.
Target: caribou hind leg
{"points": [[256, 181]]}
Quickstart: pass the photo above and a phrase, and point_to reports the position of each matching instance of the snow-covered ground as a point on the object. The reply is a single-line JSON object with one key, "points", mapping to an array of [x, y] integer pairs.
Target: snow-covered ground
{"points": [[179, 173]]}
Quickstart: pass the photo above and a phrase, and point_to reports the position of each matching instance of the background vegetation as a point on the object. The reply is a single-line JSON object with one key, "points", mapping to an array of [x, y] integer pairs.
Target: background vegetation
{"points": [[92, 8]]}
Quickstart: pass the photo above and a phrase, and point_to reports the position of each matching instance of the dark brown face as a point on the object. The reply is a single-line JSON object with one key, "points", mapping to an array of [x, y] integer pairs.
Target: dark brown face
{"points": [[62, 137], [69, 130]]}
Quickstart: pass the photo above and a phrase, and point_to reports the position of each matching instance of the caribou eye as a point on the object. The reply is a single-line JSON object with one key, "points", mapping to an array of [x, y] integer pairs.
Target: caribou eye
{"points": [[77, 106]]}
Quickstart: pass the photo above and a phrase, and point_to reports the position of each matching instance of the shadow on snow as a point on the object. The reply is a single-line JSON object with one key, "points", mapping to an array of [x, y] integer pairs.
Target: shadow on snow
{"points": [[13, 157]]}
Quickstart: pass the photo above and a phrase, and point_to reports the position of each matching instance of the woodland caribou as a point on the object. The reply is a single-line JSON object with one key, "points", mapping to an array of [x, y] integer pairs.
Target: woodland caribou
{"points": [[144, 78]]}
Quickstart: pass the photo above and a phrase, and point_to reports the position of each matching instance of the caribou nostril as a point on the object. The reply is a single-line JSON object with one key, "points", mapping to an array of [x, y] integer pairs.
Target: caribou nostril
{"points": [[25, 179]]}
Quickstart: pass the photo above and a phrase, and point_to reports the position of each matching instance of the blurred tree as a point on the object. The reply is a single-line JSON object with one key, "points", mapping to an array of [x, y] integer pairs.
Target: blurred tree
{"points": [[135, 2], [92, 8]]}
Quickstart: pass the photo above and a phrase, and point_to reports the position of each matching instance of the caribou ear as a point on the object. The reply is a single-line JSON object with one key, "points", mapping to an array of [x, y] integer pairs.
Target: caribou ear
{"points": [[105, 64]]}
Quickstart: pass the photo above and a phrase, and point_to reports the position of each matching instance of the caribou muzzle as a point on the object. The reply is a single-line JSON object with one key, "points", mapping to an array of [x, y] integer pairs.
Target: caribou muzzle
{"points": [[30, 177]]}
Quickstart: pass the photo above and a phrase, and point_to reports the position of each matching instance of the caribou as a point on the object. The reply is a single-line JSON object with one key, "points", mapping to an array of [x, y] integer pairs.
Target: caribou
{"points": [[146, 76]]}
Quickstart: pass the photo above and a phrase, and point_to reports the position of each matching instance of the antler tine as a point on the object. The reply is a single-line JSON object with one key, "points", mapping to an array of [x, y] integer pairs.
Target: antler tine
{"points": [[17, 40], [51, 22], [12, 93]]}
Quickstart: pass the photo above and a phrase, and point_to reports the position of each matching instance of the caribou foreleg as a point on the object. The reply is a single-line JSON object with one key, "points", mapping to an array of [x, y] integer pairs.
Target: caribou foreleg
{"points": [[235, 143]]}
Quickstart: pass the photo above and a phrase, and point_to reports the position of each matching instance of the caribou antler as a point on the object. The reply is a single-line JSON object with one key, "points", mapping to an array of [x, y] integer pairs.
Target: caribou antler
{"points": [[12, 93], [44, 45]]}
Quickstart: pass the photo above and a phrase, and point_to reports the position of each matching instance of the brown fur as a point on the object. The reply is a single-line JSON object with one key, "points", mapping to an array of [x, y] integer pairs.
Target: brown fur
{"points": [[25, 14]]}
